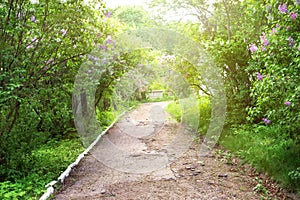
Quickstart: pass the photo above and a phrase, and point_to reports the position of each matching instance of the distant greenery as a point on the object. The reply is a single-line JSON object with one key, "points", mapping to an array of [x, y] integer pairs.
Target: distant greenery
{"points": [[204, 108], [157, 86], [174, 109], [132, 16]]}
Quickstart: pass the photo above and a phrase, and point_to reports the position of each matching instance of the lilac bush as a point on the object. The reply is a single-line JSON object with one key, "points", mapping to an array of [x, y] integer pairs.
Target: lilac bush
{"points": [[277, 57]]}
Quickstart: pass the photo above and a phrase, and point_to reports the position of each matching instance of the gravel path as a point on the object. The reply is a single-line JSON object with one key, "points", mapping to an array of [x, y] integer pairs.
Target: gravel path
{"points": [[147, 155]]}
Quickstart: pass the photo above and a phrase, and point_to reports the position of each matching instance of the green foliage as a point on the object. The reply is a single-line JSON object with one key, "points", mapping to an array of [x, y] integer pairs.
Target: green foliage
{"points": [[178, 9], [261, 188], [295, 175], [205, 114], [204, 108], [105, 118], [158, 99], [267, 149], [133, 16], [44, 165], [42, 47], [276, 94], [230, 50], [174, 109], [157, 86]]}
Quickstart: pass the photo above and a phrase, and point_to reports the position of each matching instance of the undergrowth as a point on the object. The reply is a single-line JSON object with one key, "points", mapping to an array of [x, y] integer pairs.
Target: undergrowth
{"points": [[268, 150], [199, 116], [46, 163]]}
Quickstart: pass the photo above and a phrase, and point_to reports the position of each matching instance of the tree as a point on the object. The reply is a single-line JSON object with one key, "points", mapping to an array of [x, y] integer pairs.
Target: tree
{"points": [[132, 16], [42, 47]]}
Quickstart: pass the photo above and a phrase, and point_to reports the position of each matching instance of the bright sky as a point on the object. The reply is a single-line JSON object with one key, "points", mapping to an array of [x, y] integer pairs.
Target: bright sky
{"points": [[115, 3]]}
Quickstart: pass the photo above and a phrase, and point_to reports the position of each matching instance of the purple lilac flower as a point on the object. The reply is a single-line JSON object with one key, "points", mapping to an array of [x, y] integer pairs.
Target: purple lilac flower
{"points": [[283, 8], [64, 32], [29, 46], [108, 14], [50, 61], [102, 47], [263, 48], [291, 41], [269, 9], [253, 48], [287, 28], [109, 40], [299, 48], [288, 103], [298, 2], [277, 26], [259, 76], [293, 15], [267, 121], [94, 58], [264, 39], [104, 60], [270, 17], [274, 30], [34, 39], [32, 18]]}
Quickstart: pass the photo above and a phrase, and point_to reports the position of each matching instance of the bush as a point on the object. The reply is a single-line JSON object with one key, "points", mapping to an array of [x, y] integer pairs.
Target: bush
{"points": [[175, 110], [200, 116], [275, 61], [205, 114]]}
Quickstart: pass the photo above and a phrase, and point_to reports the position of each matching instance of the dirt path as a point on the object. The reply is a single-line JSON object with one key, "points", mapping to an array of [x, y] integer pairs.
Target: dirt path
{"points": [[145, 156]]}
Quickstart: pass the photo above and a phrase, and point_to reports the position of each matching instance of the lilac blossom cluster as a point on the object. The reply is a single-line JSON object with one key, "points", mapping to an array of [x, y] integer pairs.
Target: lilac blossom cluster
{"points": [[283, 9]]}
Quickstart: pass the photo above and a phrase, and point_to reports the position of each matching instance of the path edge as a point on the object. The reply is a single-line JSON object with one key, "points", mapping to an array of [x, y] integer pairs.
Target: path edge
{"points": [[51, 186]]}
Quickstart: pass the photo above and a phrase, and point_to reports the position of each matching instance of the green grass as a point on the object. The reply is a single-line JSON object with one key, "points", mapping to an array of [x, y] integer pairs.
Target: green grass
{"points": [[46, 162], [199, 116], [268, 150], [174, 109]]}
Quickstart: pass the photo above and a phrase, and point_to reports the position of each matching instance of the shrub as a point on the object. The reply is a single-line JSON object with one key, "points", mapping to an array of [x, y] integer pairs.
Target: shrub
{"points": [[195, 116]]}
